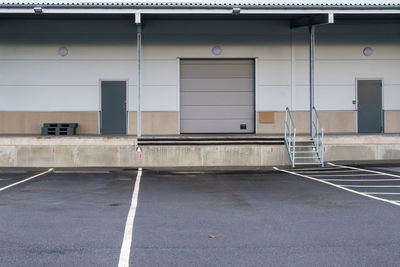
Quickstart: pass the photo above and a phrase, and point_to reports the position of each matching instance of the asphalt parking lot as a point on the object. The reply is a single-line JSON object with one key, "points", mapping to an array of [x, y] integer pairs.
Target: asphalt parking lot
{"points": [[336, 216]]}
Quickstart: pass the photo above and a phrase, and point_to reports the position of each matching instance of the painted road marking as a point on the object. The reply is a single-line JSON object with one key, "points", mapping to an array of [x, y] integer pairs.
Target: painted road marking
{"points": [[319, 168], [361, 180], [355, 174], [365, 170], [381, 193], [127, 241], [322, 171], [365, 194], [27, 179], [387, 186]]}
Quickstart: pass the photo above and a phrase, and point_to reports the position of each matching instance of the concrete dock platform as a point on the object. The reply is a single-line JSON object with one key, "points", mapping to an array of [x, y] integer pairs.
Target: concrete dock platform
{"points": [[121, 151]]}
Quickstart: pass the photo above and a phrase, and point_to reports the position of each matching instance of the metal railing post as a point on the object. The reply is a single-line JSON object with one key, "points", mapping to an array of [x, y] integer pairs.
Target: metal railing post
{"points": [[290, 136], [294, 148], [318, 138], [285, 123]]}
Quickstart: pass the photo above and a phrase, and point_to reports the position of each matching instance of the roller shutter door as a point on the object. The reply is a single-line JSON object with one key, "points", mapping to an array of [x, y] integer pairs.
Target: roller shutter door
{"points": [[217, 96]]}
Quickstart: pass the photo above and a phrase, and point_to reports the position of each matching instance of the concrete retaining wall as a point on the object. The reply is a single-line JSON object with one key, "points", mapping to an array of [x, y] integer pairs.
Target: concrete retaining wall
{"points": [[120, 152], [67, 152], [381, 147]]}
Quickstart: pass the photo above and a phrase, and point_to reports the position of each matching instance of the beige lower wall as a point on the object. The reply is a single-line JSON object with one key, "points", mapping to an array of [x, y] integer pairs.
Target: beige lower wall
{"points": [[392, 121], [167, 123], [155, 123], [339, 121], [333, 122], [31, 122]]}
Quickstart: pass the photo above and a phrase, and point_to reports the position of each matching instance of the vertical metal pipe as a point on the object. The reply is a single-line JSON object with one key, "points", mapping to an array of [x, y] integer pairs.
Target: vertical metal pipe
{"points": [[293, 69], [312, 57], [139, 80]]}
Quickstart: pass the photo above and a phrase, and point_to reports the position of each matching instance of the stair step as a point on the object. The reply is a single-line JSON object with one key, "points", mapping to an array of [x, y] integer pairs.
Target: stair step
{"points": [[305, 152], [307, 157], [304, 146]]}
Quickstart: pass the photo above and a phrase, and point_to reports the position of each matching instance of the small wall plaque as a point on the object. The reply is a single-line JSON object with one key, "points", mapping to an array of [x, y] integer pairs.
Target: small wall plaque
{"points": [[266, 117]]}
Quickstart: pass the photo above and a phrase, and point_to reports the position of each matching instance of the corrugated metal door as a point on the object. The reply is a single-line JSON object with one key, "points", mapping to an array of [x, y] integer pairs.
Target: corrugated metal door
{"points": [[217, 96], [113, 107], [369, 106]]}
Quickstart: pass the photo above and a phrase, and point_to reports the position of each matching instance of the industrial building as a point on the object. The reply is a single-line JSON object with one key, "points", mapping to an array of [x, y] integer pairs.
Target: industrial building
{"points": [[207, 66], [162, 68]]}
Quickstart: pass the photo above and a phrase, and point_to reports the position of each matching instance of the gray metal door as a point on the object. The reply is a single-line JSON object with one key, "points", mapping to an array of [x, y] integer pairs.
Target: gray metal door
{"points": [[217, 96], [369, 94], [113, 107]]}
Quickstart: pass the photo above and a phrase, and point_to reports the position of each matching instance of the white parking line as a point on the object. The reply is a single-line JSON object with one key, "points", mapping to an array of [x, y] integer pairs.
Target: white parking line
{"points": [[365, 170], [386, 186], [318, 168], [365, 194], [356, 174], [323, 171], [361, 180], [381, 193], [127, 241], [27, 179]]}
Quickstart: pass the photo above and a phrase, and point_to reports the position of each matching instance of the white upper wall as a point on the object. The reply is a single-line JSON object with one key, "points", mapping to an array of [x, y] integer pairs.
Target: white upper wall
{"points": [[340, 62], [33, 77]]}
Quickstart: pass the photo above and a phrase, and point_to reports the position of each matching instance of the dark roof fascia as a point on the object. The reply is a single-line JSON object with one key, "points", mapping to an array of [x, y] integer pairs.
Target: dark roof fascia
{"points": [[203, 6]]}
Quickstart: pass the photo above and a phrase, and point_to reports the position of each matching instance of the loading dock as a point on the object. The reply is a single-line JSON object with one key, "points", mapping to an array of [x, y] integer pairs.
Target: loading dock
{"points": [[217, 96], [54, 74]]}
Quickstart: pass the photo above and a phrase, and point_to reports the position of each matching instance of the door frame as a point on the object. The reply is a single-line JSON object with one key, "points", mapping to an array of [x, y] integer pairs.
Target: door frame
{"points": [[126, 103], [255, 84], [382, 100]]}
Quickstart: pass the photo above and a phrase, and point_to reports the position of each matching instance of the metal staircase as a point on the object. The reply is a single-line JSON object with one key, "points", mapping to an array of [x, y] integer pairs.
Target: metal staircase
{"points": [[305, 151]]}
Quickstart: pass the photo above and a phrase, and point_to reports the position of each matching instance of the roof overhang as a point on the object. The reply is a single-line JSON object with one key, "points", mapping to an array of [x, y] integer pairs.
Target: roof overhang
{"points": [[235, 7], [183, 11], [301, 12]]}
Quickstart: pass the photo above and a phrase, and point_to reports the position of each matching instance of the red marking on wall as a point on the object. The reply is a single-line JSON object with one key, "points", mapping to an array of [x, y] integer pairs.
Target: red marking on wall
{"points": [[140, 155], [324, 149], [272, 149], [53, 150]]}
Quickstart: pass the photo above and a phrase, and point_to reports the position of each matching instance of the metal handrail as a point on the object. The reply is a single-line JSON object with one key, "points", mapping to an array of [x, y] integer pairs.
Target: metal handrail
{"points": [[290, 136], [318, 135]]}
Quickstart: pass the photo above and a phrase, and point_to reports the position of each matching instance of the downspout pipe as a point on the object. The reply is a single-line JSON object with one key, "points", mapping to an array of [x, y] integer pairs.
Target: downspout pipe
{"points": [[312, 75], [139, 74]]}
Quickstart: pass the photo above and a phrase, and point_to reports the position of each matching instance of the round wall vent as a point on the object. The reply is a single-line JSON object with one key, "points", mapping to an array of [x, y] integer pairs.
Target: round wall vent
{"points": [[368, 51], [63, 51], [216, 50]]}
